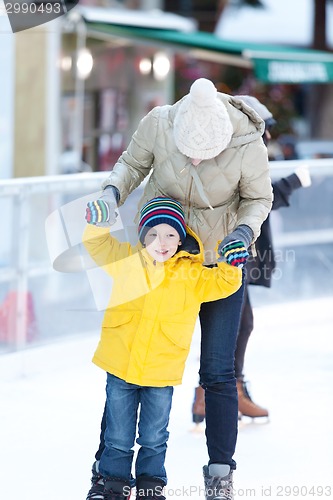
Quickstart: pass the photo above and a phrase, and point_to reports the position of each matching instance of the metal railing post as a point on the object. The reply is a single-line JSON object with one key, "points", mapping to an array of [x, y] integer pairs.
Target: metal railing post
{"points": [[22, 270]]}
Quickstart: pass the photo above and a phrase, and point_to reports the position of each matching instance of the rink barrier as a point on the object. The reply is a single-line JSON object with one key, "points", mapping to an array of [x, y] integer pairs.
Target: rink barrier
{"points": [[18, 320]]}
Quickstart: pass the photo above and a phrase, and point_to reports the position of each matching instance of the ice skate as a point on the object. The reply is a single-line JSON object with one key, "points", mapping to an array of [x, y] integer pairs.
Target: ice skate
{"points": [[246, 406], [116, 489], [218, 482], [97, 484], [149, 488]]}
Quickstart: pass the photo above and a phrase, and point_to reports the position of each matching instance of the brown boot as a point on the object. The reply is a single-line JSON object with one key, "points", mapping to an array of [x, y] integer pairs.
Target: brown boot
{"points": [[245, 404], [198, 407]]}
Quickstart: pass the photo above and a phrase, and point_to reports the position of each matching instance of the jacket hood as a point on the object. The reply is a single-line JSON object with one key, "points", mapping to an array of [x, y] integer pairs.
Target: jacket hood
{"points": [[247, 124], [246, 128], [192, 247]]}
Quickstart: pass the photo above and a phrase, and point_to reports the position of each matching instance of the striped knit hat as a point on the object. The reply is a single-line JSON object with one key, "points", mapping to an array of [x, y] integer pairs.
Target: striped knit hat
{"points": [[162, 211]]}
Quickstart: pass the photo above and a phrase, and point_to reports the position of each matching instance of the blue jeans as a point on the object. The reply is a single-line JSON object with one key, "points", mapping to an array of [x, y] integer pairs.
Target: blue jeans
{"points": [[122, 405], [219, 326]]}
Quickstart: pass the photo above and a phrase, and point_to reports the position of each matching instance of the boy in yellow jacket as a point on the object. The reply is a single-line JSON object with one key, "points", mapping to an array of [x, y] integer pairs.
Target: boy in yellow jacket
{"points": [[158, 287]]}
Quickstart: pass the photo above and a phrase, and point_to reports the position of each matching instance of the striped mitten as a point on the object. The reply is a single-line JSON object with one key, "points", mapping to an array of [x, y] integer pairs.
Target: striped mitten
{"points": [[97, 212], [234, 253]]}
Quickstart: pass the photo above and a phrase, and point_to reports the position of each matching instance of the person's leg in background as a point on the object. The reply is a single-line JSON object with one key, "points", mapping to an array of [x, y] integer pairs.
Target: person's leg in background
{"points": [[246, 406], [219, 327], [244, 332], [198, 406]]}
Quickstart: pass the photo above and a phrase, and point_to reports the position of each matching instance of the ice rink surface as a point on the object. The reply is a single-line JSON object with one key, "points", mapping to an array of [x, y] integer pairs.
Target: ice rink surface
{"points": [[52, 399]]}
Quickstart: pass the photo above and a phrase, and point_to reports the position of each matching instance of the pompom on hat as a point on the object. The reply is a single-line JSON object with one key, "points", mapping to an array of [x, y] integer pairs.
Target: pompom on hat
{"points": [[162, 210], [202, 127]]}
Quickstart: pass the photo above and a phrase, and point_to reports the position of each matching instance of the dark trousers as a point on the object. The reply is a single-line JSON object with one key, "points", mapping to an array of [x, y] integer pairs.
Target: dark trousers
{"points": [[219, 327], [245, 329]]}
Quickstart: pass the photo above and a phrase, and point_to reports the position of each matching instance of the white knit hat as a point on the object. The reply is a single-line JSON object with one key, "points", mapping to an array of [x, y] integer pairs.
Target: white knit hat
{"points": [[202, 127]]}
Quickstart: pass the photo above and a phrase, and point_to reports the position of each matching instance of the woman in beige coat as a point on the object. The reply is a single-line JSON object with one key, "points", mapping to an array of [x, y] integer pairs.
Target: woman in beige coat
{"points": [[207, 152]]}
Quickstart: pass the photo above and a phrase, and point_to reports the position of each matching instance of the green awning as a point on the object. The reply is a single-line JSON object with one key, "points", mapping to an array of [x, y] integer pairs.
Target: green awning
{"points": [[292, 66], [271, 63]]}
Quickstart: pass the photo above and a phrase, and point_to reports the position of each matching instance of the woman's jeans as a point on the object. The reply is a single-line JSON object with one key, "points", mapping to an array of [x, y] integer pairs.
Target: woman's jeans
{"points": [[121, 414], [219, 327]]}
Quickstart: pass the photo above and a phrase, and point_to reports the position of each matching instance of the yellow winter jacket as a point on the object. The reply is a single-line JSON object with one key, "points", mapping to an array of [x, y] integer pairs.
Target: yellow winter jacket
{"points": [[151, 315]]}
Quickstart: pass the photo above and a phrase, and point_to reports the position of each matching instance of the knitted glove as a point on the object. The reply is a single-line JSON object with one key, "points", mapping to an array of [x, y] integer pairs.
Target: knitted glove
{"points": [[243, 233], [234, 253], [102, 212], [97, 212]]}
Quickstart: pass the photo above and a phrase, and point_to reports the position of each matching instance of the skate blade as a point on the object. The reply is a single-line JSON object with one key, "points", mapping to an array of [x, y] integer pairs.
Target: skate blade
{"points": [[246, 420]]}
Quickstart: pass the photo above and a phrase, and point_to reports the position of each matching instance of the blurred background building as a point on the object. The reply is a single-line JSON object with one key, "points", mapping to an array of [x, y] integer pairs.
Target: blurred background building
{"points": [[74, 90], [76, 87]]}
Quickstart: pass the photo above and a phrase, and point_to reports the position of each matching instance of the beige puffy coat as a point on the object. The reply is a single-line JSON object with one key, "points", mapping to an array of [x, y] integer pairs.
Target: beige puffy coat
{"points": [[219, 194]]}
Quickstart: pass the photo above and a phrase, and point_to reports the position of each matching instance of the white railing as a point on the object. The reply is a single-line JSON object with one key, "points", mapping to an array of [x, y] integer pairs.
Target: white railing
{"points": [[38, 304], [21, 199]]}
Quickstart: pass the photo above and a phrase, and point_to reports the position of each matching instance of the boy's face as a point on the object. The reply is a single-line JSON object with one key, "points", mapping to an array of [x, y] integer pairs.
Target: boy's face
{"points": [[162, 242]]}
